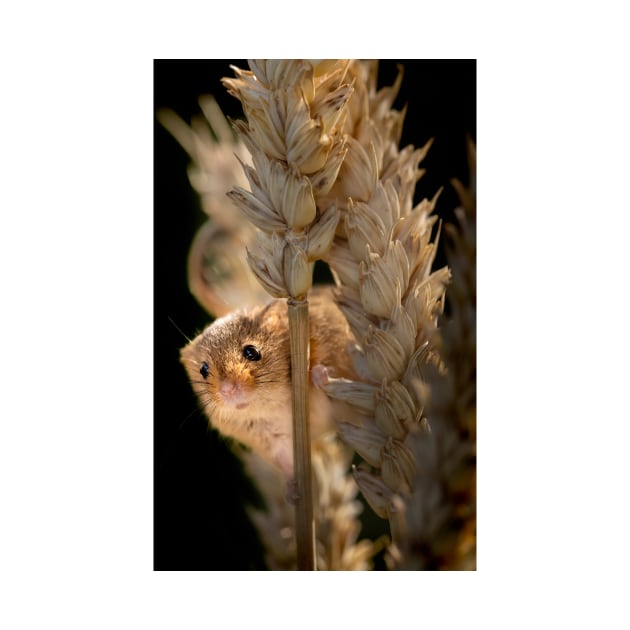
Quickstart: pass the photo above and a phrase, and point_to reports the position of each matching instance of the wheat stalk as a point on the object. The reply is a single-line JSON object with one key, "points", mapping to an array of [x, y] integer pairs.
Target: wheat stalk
{"points": [[294, 114]]}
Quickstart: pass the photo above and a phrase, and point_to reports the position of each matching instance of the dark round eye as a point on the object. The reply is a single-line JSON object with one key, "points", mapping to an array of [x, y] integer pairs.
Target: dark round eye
{"points": [[251, 353], [204, 370]]}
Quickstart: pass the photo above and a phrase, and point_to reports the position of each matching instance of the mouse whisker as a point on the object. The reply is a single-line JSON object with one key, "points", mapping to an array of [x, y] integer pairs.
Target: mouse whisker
{"points": [[178, 329], [190, 415], [199, 382]]}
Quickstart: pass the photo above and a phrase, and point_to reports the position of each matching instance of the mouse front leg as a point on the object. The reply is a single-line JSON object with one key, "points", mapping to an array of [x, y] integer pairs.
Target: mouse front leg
{"points": [[292, 495], [319, 375]]}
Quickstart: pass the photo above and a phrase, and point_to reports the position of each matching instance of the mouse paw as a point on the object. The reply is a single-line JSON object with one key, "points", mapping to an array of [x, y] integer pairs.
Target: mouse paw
{"points": [[292, 496], [319, 375]]}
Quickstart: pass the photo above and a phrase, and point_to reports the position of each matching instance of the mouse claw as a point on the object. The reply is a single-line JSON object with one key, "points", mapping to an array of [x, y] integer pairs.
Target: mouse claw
{"points": [[319, 375], [292, 496]]}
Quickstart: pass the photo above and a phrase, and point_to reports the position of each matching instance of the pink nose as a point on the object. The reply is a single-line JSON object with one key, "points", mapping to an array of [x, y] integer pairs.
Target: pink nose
{"points": [[231, 392], [229, 389]]}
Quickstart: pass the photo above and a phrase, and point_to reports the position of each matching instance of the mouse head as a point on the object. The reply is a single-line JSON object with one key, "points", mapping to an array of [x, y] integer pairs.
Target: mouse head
{"points": [[240, 362]]}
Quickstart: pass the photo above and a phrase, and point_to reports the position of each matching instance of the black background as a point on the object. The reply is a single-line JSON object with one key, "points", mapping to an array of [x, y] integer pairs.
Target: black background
{"points": [[199, 490]]}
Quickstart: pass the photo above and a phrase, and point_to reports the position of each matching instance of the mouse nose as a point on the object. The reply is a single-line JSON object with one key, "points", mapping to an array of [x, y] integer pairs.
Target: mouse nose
{"points": [[232, 394], [228, 388]]}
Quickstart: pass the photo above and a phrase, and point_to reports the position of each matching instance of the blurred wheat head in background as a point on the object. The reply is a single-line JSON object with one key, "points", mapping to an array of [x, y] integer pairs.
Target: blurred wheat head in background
{"points": [[317, 173]]}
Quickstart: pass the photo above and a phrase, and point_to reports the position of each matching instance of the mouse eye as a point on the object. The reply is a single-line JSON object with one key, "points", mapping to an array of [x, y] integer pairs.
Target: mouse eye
{"points": [[251, 353], [204, 370]]}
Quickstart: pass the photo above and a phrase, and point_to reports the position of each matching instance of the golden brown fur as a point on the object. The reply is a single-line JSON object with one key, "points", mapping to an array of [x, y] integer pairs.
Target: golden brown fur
{"points": [[251, 400]]}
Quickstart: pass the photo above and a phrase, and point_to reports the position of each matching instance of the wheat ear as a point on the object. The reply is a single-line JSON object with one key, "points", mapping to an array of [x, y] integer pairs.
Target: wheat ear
{"points": [[294, 113], [382, 259]]}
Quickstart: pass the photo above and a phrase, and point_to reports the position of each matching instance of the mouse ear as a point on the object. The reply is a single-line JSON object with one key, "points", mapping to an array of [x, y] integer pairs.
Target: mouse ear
{"points": [[272, 315]]}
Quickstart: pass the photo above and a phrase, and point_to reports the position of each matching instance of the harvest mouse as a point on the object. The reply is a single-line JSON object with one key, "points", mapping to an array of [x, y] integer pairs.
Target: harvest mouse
{"points": [[239, 367]]}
